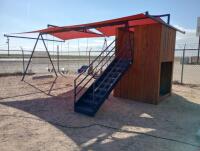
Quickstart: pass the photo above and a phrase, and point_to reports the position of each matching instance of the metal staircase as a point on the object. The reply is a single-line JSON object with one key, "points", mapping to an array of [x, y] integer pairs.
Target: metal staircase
{"points": [[90, 93]]}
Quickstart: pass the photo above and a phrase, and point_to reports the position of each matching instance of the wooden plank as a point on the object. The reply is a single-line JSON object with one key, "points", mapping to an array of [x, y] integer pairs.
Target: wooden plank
{"points": [[122, 46], [152, 44], [149, 48], [167, 44]]}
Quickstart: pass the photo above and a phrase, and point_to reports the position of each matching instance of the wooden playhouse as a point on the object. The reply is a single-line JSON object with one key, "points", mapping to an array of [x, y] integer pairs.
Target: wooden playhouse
{"points": [[149, 78]]}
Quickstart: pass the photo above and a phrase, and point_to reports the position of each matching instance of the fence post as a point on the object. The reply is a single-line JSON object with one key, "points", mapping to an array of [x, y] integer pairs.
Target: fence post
{"points": [[183, 62], [58, 59], [89, 56], [8, 42], [198, 51], [23, 59]]}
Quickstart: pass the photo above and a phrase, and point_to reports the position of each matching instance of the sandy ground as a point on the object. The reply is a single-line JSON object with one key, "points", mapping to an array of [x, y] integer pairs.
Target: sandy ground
{"points": [[191, 73], [38, 115]]}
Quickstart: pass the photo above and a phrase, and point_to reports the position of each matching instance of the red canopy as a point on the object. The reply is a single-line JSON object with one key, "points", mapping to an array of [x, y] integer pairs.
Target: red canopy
{"points": [[106, 28], [75, 34]]}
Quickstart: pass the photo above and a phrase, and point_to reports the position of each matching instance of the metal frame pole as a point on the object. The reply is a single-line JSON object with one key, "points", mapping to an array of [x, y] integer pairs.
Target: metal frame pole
{"points": [[23, 59], [58, 59], [24, 74], [89, 56], [168, 19], [8, 42], [74, 92], [32, 38], [164, 15], [78, 48], [48, 55], [198, 52], [183, 62]]}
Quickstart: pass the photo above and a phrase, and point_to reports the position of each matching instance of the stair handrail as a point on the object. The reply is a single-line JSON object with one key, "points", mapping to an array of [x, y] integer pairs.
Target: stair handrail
{"points": [[96, 58], [91, 64], [96, 72], [96, 67], [75, 92], [121, 58], [101, 82]]}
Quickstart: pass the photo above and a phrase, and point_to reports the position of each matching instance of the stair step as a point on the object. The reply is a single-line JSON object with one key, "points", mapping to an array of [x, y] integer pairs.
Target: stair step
{"points": [[100, 92], [90, 102], [104, 87], [110, 80], [117, 69], [85, 109], [96, 96], [106, 83], [89, 99], [115, 75], [124, 62], [122, 65]]}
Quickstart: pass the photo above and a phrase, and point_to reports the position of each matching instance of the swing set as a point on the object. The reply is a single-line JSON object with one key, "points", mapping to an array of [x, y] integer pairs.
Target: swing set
{"points": [[55, 54], [30, 59]]}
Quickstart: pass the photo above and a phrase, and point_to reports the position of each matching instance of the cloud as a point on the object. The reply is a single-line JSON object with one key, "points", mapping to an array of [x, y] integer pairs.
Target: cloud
{"points": [[189, 37], [187, 30]]}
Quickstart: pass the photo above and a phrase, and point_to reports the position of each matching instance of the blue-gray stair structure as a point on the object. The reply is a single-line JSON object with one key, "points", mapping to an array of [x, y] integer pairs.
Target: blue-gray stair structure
{"points": [[92, 99]]}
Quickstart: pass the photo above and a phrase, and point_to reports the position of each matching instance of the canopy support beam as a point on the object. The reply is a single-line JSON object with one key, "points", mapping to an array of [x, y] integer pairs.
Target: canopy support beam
{"points": [[23, 37], [157, 20], [164, 15]]}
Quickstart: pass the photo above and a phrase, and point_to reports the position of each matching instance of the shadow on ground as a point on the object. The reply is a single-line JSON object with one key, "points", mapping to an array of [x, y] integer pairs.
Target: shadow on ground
{"points": [[171, 119]]}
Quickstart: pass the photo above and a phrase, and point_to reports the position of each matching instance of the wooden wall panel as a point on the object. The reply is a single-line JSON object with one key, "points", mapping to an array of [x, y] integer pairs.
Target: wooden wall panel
{"points": [[152, 44], [149, 48], [167, 52], [168, 39], [123, 39]]}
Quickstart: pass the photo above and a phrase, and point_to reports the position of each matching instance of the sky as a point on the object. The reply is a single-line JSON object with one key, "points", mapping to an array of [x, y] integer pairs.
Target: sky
{"points": [[28, 15]]}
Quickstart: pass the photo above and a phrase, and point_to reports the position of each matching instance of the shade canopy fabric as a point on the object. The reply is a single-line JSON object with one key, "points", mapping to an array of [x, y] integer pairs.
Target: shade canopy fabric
{"points": [[75, 34], [106, 28]]}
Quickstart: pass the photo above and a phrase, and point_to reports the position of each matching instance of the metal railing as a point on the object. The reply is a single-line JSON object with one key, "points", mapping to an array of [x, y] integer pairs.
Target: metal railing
{"points": [[102, 61], [121, 58]]}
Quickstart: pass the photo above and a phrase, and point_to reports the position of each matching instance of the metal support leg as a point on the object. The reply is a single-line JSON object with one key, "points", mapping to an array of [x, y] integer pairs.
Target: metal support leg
{"points": [[198, 55], [183, 62], [74, 92], [58, 59], [49, 55], [8, 42], [24, 74], [23, 69]]}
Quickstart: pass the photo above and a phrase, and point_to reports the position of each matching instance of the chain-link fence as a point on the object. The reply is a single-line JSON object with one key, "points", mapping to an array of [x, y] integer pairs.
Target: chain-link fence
{"points": [[68, 62], [187, 64]]}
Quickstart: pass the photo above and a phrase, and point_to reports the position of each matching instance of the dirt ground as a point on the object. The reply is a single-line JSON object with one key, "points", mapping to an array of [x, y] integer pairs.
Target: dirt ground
{"points": [[38, 115], [191, 73]]}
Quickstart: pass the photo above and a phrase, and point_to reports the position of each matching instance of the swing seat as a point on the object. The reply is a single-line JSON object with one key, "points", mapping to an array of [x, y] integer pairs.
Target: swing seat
{"points": [[83, 69], [96, 75], [63, 71], [49, 69]]}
